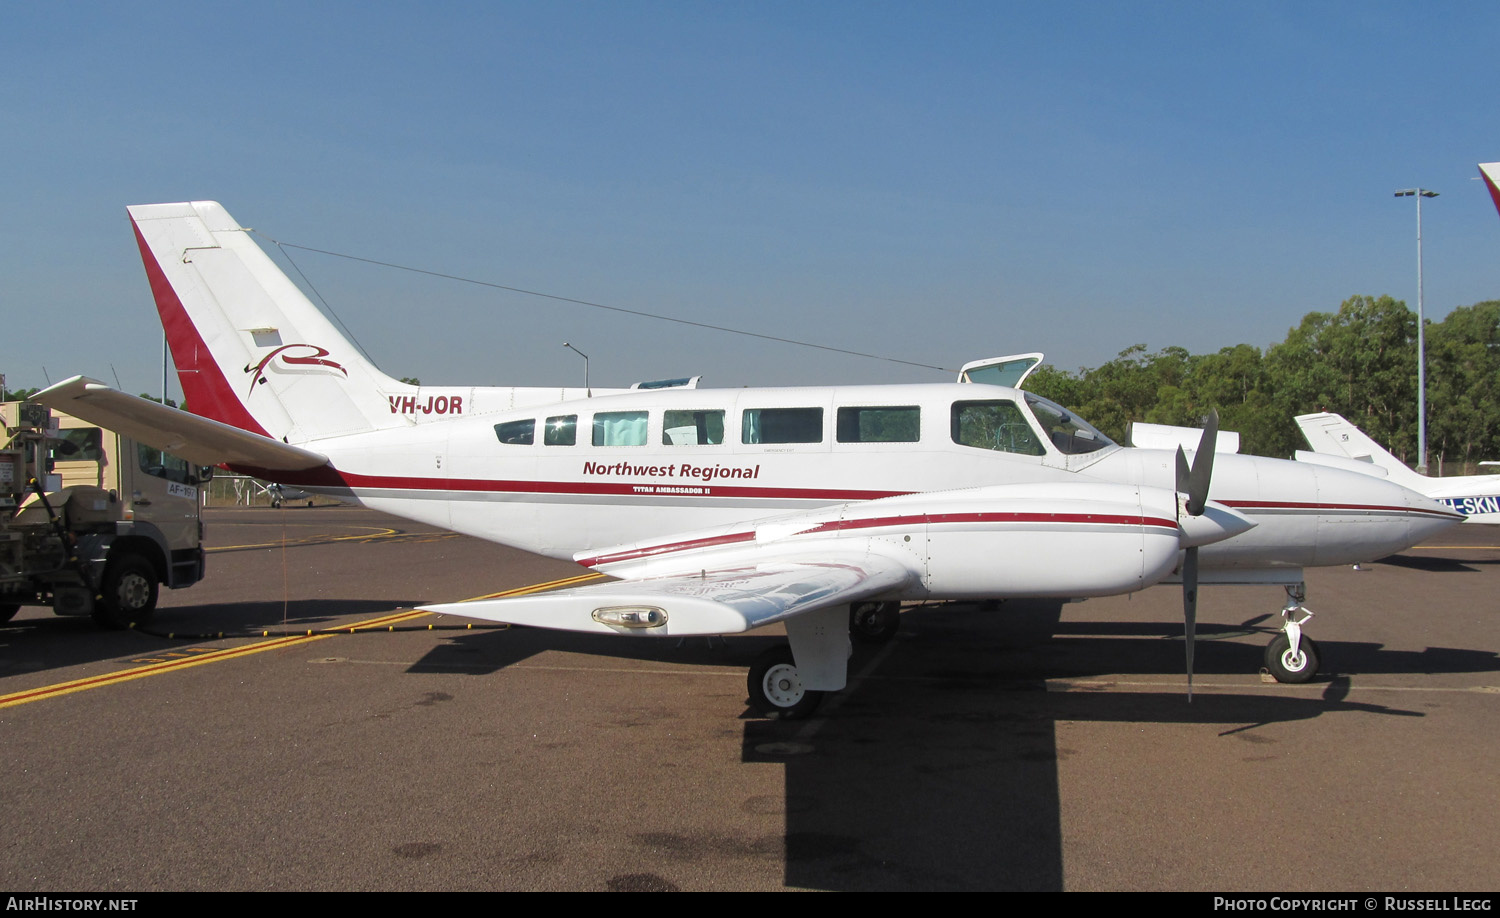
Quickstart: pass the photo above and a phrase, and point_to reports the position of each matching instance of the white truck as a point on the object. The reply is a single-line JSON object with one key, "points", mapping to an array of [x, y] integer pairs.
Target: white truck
{"points": [[91, 522]]}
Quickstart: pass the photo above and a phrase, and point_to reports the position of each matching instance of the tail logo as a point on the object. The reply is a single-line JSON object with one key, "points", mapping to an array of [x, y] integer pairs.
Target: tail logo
{"points": [[316, 358]]}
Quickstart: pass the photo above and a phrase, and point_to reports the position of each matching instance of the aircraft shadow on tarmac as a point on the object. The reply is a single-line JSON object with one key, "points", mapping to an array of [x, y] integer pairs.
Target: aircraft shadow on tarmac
{"points": [[1437, 564], [962, 794], [1025, 642], [939, 770]]}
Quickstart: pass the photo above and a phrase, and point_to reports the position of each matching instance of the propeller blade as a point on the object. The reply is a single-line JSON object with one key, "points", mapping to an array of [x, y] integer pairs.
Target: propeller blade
{"points": [[1190, 609], [1203, 466], [1194, 482]]}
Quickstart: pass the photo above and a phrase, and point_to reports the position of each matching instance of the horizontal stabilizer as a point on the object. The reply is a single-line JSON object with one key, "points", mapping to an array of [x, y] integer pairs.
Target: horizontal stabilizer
{"points": [[1363, 466], [187, 436], [1165, 436], [709, 602]]}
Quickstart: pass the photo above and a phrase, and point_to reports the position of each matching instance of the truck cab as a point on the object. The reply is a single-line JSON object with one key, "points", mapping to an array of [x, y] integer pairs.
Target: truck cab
{"points": [[91, 522]]}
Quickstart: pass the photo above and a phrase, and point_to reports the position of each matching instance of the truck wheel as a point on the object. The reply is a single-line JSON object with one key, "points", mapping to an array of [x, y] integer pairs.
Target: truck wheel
{"points": [[128, 593], [8, 611]]}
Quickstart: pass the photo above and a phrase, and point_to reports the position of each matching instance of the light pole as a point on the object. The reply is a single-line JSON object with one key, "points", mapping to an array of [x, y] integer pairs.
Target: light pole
{"points": [[585, 357], [1419, 194]]}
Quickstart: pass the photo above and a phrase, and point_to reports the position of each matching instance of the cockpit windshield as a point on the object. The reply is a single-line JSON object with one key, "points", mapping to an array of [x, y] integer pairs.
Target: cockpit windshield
{"points": [[1070, 434]]}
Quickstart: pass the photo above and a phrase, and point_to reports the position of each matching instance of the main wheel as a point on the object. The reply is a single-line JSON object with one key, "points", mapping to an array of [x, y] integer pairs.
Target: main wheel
{"points": [[874, 622], [128, 593], [1288, 667], [776, 688]]}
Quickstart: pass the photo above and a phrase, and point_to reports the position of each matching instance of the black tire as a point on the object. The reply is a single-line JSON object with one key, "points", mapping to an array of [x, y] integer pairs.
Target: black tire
{"points": [[1293, 670], [8, 611], [128, 593], [874, 622], [776, 691]]}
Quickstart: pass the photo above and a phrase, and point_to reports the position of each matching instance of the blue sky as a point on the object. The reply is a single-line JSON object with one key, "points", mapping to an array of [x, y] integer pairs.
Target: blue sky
{"points": [[931, 181]]}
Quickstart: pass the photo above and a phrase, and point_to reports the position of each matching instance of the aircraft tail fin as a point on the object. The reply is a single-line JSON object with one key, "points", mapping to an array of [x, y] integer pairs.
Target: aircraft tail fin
{"points": [[1490, 172], [1333, 435], [251, 350]]}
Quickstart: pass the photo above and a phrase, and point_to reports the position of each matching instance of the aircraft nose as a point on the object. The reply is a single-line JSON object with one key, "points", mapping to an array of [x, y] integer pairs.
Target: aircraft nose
{"points": [[1361, 517]]}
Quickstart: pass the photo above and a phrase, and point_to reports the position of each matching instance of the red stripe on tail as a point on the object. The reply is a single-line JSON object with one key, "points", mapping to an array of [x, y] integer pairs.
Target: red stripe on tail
{"points": [[204, 388]]}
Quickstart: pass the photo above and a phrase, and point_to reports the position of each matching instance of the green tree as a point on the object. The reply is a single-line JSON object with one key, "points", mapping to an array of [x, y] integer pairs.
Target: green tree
{"points": [[1463, 386], [1360, 362]]}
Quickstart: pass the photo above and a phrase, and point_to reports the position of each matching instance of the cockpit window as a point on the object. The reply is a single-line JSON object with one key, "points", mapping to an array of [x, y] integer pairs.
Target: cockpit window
{"points": [[996, 424], [1068, 432]]}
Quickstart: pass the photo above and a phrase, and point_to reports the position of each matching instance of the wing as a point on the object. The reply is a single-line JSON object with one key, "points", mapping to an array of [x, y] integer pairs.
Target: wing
{"points": [[705, 602], [187, 436]]}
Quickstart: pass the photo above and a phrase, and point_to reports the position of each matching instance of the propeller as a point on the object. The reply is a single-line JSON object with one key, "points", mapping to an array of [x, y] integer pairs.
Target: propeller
{"points": [[1192, 483]]}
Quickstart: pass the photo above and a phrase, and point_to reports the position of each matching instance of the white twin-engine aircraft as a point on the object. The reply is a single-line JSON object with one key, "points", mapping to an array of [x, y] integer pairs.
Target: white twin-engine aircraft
{"points": [[726, 510]]}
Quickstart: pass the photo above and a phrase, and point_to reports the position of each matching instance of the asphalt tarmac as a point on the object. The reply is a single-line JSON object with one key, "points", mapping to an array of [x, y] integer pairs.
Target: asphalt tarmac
{"points": [[1030, 746]]}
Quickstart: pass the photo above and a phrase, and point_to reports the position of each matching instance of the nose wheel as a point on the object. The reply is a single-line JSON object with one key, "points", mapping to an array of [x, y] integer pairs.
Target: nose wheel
{"points": [[1291, 656]]}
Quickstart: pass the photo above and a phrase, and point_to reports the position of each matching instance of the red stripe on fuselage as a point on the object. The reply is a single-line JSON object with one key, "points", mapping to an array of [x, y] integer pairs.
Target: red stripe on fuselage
{"points": [[908, 520], [328, 477], [1251, 506]]}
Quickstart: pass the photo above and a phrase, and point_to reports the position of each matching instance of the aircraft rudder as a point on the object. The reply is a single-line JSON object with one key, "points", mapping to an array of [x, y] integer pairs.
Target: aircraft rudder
{"points": [[251, 349]]}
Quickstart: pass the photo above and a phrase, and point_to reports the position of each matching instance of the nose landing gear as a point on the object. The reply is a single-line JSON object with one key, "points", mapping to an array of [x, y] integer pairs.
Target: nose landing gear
{"points": [[1292, 657]]}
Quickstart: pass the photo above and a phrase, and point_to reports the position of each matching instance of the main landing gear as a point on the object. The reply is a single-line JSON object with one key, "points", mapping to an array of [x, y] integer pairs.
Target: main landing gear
{"points": [[1291, 656], [776, 688], [789, 681]]}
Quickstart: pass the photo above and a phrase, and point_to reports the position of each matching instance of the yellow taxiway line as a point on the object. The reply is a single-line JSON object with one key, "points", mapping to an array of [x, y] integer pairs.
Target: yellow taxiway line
{"points": [[172, 661]]}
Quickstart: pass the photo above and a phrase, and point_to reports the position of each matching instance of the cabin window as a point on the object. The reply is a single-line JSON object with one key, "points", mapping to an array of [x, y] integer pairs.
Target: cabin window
{"points": [[692, 428], [620, 428], [880, 425], [996, 424], [782, 425], [517, 433], [561, 431]]}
